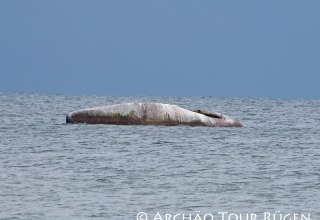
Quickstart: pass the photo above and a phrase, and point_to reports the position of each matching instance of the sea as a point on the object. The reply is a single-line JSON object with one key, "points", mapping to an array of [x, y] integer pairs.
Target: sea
{"points": [[269, 169]]}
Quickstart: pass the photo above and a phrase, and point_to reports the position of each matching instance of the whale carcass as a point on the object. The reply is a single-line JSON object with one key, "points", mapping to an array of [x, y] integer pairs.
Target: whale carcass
{"points": [[150, 114]]}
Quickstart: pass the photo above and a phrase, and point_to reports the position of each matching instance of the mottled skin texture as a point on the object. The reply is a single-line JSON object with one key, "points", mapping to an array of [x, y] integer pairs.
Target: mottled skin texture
{"points": [[150, 114]]}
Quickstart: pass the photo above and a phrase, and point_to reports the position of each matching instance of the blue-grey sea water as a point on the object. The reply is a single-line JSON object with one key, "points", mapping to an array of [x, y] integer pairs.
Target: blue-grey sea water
{"points": [[53, 170]]}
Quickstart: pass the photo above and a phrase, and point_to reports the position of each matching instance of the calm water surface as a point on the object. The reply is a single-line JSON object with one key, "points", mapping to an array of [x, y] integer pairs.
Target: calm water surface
{"points": [[51, 170]]}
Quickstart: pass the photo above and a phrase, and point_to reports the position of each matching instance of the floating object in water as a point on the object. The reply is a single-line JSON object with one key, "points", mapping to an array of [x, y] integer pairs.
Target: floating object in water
{"points": [[150, 114]]}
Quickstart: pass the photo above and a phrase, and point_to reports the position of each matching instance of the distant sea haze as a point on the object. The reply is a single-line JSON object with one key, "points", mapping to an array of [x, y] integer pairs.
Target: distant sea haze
{"points": [[53, 170]]}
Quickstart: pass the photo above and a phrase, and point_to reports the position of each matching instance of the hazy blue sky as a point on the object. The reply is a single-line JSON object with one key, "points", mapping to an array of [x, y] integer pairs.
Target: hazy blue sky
{"points": [[213, 48]]}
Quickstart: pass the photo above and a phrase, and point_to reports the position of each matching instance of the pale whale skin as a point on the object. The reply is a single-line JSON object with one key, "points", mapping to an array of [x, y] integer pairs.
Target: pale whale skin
{"points": [[150, 114]]}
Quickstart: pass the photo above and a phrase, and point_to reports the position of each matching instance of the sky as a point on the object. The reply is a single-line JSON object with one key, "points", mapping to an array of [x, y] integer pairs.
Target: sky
{"points": [[206, 48]]}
